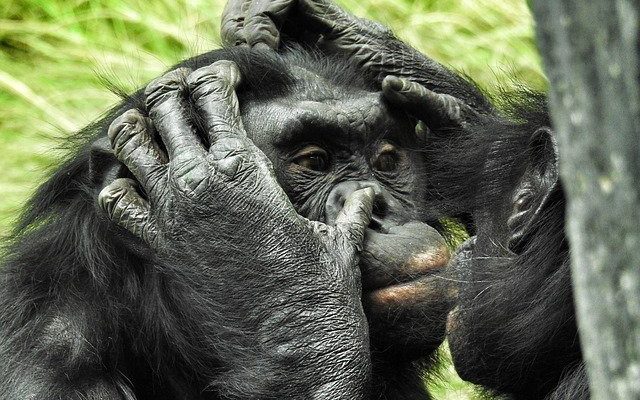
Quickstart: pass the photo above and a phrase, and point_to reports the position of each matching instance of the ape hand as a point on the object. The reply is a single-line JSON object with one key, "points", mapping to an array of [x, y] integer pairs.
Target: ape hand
{"points": [[226, 230], [367, 44], [433, 110], [257, 23]]}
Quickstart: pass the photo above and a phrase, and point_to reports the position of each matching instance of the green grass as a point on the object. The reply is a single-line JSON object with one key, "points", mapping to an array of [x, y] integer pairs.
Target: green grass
{"points": [[54, 53]]}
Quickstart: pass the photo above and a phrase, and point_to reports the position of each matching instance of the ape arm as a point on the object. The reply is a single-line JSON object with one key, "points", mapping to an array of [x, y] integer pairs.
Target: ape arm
{"points": [[367, 44]]}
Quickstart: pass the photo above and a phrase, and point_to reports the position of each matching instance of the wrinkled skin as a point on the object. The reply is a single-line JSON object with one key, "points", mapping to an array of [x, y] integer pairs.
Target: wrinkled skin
{"points": [[367, 45], [195, 191]]}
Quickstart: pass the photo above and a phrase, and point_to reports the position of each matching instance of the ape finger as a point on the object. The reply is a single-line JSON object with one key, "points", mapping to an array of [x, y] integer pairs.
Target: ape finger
{"points": [[164, 98], [232, 25], [132, 143], [436, 110], [213, 89], [263, 21], [325, 17], [353, 219], [124, 206]]}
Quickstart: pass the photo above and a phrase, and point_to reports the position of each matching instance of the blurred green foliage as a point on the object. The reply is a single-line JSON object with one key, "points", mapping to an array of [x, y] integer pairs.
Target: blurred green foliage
{"points": [[55, 55]]}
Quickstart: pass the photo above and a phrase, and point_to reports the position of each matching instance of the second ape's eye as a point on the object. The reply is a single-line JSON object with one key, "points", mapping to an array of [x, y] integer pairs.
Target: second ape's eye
{"points": [[387, 160], [312, 157]]}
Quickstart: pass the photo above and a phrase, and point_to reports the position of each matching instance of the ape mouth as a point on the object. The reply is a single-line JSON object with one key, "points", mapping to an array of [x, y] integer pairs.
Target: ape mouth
{"points": [[407, 293], [461, 259], [402, 264]]}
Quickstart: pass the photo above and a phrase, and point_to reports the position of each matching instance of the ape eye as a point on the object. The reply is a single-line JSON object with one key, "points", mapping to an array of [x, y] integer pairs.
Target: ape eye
{"points": [[312, 157], [387, 160]]}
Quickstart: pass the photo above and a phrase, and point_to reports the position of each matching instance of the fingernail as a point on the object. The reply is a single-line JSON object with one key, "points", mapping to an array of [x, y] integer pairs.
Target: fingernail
{"points": [[422, 130], [393, 82]]}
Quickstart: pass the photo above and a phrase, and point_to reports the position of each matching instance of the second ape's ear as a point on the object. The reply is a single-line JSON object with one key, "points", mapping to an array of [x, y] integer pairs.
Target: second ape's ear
{"points": [[538, 182], [543, 156], [104, 167]]}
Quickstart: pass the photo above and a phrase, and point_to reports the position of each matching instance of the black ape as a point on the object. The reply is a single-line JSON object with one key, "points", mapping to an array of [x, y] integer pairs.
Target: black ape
{"points": [[513, 329], [231, 300]]}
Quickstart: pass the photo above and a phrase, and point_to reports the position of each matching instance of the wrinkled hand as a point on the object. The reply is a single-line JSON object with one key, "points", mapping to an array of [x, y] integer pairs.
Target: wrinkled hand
{"points": [[258, 23], [432, 110], [219, 212], [366, 44]]}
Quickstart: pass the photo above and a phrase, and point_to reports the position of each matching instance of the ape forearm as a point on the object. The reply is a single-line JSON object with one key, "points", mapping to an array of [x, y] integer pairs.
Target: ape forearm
{"points": [[377, 50]]}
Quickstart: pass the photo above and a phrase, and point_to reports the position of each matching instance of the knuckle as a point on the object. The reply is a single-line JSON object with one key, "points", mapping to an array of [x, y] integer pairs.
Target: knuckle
{"points": [[231, 31], [220, 77], [262, 22], [193, 180], [111, 197], [264, 32], [124, 130], [228, 146], [235, 167], [172, 81]]}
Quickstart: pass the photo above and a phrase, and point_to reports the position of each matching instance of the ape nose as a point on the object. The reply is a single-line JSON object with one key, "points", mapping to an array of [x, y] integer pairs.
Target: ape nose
{"points": [[343, 190]]}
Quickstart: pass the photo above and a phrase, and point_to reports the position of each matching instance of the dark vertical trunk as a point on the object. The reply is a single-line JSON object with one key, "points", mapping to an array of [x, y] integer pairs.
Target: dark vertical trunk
{"points": [[591, 54]]}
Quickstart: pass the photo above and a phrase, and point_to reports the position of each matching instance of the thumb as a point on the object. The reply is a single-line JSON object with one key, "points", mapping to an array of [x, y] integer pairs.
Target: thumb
{"points": [[353, 219], [436, 110]]}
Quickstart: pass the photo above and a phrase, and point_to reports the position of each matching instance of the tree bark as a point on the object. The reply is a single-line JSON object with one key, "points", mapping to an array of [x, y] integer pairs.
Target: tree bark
{"points": [[591, 54]]}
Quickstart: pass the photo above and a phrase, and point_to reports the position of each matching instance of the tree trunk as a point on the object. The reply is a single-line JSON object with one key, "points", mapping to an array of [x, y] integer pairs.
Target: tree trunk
{"points": [[591, 54]]}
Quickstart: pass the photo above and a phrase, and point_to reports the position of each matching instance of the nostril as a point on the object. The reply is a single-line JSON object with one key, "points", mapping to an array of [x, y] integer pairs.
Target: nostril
{"points": [[377, 224], [380, 208]]}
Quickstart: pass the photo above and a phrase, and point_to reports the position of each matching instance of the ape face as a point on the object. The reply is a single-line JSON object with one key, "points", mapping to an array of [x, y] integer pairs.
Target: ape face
{"points": [[513, 329], [323, 149], [326, 141]]}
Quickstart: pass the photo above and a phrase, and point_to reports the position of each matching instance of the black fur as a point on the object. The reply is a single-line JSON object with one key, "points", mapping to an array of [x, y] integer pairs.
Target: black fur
{"points": [[514, 330], [87, 311]]}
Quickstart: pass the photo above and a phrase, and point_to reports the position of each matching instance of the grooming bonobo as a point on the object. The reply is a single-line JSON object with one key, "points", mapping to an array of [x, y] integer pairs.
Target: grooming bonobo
{"points": [[513, 329], [196, 276]]}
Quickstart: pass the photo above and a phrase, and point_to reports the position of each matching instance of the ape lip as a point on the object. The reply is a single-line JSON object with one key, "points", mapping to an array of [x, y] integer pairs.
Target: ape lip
{"points": [[422, 266], [464, 250]]}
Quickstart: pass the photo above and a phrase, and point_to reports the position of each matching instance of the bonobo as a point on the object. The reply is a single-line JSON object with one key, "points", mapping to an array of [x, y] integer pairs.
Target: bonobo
{"points": [[195, 278], [513, 329]]}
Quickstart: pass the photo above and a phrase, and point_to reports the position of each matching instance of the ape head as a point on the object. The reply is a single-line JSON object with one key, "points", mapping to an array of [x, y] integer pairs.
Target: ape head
{"points": [[513, 328]]}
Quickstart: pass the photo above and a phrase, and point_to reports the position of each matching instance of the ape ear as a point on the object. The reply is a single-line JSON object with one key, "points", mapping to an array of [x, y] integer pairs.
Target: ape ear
{"points": [[538, 182], [542, 154], [104, 167]]}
